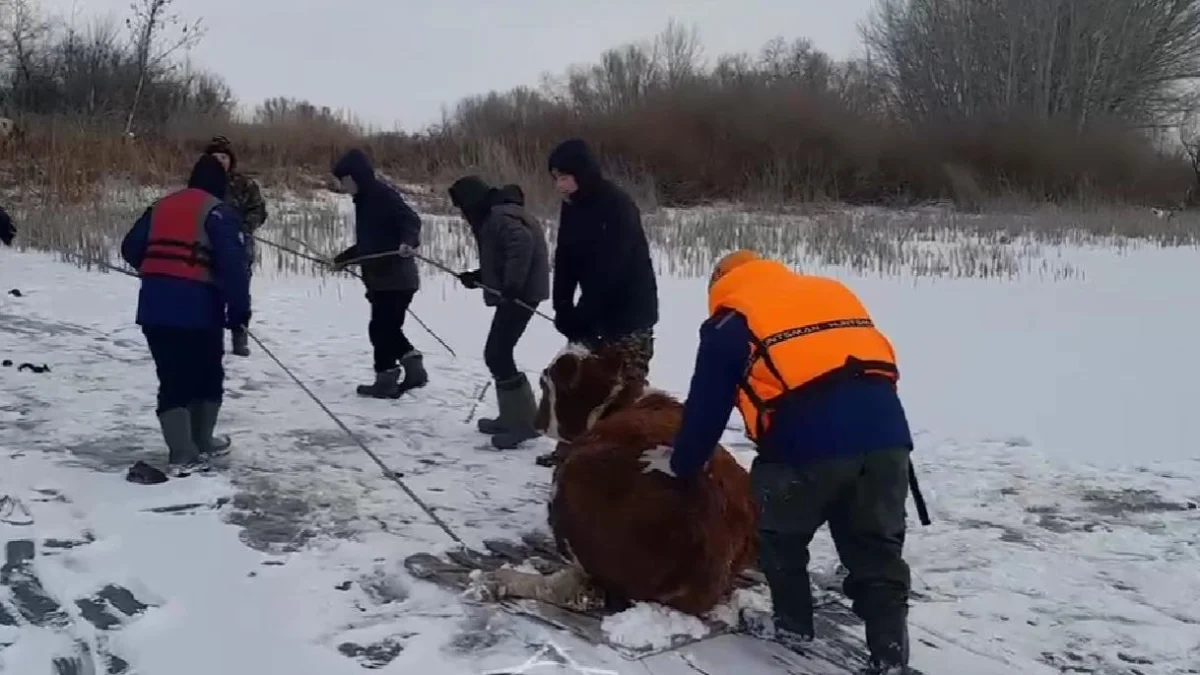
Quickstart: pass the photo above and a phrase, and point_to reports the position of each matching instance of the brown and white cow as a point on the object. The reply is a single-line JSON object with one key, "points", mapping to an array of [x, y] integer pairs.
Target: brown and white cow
{"points": [[632, 535]]}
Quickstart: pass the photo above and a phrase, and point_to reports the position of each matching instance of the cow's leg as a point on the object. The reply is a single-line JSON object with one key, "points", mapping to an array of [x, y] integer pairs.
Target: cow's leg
{"points": [[568, 587]]}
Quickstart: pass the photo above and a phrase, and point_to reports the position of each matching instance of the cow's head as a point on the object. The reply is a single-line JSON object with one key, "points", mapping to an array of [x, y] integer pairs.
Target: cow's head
{"points": [[579, 387]]}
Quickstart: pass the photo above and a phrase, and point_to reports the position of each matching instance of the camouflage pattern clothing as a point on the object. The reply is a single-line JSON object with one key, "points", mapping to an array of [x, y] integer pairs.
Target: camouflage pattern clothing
{"points": [[636, 350], [246, 197]]}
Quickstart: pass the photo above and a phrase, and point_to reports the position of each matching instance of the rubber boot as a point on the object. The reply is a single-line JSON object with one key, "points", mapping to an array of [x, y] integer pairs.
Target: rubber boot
{"points": [[204, 421], [183, 455], [241, 342], [415, 376], [492, 425], [517, 410], [386, 385], [887, 641]]}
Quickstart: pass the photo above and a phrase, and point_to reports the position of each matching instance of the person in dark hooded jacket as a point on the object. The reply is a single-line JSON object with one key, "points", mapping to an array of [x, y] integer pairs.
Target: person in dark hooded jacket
{"points": [[384, 223], [602, 251], [8, 231], [514, 265], [188, 251]]}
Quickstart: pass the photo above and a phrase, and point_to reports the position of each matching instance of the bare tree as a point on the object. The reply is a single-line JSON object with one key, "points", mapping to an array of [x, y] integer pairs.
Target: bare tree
{"points": [[154, 45], [1075, 60]]}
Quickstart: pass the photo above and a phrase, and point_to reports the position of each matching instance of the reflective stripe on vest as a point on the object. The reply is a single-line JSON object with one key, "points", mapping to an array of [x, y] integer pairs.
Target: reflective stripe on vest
{"points": [[178, 245], [806, 331]]}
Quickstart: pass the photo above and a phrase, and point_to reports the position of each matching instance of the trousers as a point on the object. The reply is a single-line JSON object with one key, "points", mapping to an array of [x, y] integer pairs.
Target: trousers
{"points": [[188, 364], [508, 325], [386, 328]]}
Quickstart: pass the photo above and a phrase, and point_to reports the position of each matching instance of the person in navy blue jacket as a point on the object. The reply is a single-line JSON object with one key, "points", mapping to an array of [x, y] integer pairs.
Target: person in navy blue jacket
{"points": [[384, 223], [836, 451], [194, 285]]}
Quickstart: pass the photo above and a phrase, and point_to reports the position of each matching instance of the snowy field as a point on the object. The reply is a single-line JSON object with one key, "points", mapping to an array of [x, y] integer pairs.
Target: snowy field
{"points": [[1055, 420]]}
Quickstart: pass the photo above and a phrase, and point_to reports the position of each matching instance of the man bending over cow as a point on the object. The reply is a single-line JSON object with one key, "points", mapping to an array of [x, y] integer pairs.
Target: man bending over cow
{"points": [[602, 250], [815, 383], [513, 261]]}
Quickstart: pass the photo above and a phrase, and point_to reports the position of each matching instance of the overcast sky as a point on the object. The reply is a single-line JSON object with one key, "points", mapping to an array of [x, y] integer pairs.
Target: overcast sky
{"points": [[396, 62]]}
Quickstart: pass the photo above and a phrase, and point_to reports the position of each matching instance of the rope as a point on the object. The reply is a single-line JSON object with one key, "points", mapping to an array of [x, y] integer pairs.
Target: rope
{"points": [[445, 268], [388, 472], [321, 261]]}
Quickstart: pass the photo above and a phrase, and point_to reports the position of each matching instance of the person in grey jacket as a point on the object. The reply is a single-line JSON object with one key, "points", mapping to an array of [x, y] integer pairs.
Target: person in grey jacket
{"points": [[384, 223], [514, 265]]}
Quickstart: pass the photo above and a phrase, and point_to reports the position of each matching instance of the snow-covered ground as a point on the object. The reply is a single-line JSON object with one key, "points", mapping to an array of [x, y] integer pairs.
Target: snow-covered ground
{"points": [[1055, 444]]}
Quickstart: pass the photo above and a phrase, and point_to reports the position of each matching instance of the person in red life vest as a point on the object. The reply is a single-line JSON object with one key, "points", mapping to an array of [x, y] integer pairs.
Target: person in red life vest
{"points": [[187, 247], [815, 383]]}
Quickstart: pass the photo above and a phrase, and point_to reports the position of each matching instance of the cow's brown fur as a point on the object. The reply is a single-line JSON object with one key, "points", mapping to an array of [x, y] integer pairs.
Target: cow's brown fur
{"points": [[647, 536]]}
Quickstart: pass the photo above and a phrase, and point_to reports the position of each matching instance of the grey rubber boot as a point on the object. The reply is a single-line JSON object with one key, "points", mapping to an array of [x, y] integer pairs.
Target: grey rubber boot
{"points": [[517, 410], [386, 385], [415, 376], [241, 342], [493, 425], [204, 421], [182, 452]]}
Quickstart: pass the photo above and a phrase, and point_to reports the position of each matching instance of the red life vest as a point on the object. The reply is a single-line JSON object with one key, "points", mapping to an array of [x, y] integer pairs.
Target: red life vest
{"points": [[178, 245]]}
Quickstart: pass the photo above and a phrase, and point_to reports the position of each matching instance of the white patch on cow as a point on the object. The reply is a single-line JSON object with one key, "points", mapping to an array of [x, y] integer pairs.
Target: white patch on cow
{"points": [[574, 349], [598, 411], [653, 391], [551, 405]]}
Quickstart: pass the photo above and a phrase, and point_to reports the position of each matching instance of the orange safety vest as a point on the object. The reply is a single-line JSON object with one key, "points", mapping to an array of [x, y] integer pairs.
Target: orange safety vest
{"points": [[805, 331], [178, 245]]}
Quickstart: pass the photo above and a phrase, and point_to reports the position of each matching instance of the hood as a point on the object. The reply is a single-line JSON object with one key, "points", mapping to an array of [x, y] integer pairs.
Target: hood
{"points": [[222, 145], [210, 176], [469, 193], [512, 194], [357, 165], [574, 157]]}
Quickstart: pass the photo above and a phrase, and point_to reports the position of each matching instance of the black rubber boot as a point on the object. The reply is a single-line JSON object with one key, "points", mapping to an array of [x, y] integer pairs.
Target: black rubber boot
{"points": [[386, 385], [415, 376], [241, 342]]}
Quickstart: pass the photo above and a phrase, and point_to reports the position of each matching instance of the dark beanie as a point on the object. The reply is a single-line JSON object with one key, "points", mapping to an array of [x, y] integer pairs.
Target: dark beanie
{"points": [[209, 175]]}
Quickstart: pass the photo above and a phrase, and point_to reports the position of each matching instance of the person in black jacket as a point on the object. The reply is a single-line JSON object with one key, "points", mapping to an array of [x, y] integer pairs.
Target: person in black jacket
{"points": [[384, 223], [8, 231], [513, 260], [602, 250]]}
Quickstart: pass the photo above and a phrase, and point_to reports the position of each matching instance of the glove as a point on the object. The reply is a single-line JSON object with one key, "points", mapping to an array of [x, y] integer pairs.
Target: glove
{"points": [[658, 459], [339, 261], [469, 279], [238, 320], [406, 251]]}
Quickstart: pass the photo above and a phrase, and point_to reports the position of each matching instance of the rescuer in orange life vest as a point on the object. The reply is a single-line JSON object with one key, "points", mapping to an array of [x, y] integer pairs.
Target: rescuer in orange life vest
{"points": [[187, 248], [815, 383]]}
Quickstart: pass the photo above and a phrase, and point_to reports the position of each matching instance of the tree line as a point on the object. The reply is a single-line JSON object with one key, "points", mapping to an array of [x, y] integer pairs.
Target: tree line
{"points": [[962, 99]]}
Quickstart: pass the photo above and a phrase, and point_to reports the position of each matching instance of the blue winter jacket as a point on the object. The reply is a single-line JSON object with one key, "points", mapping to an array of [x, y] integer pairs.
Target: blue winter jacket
{"points": [[382, 221], [848, 418], [182, 303]]}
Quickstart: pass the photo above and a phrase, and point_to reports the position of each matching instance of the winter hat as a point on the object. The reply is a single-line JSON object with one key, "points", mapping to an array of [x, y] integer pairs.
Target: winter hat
{"points": [[731, 262], [575, 158], [222, 145], [513, 194], [209, 175], [469, 192]]}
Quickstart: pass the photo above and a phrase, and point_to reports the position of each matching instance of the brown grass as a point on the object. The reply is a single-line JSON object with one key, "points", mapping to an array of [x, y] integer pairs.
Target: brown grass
{"points": [[682, 149]]}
